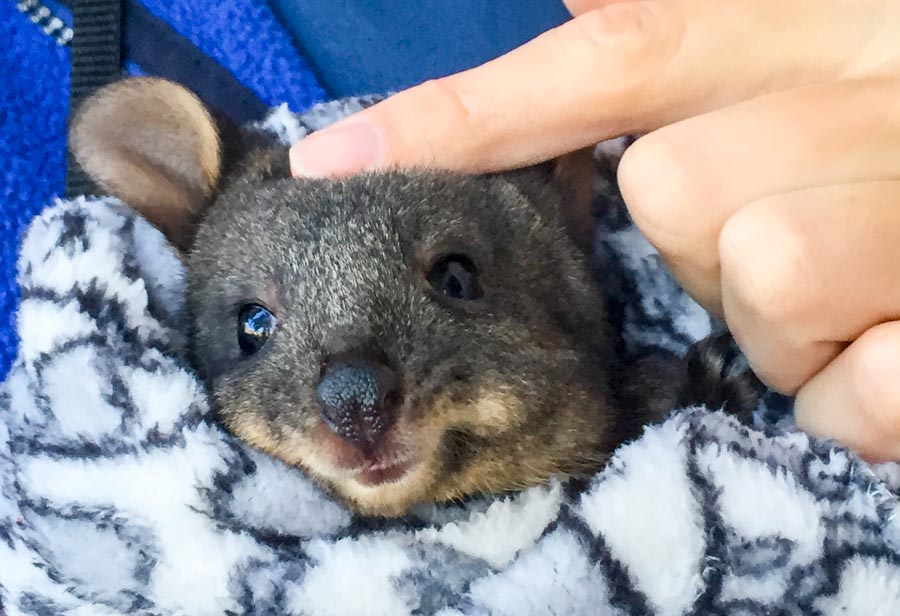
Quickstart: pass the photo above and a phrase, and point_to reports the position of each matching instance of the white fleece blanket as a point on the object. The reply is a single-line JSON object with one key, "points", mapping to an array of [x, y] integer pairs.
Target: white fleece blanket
{"points": [[119, 496]]}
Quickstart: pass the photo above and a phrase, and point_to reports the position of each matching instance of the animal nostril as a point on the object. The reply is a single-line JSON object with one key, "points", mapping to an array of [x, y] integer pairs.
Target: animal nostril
{"points": [[392, 399], [359, 400]]}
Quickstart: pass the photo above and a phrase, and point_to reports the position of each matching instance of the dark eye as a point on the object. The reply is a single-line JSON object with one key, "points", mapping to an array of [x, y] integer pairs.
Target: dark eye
{"points": [[255, 325], [455, 276]]}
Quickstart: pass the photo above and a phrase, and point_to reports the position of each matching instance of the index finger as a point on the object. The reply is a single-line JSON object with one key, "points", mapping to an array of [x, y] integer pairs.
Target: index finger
{"points": [[619, 68]]}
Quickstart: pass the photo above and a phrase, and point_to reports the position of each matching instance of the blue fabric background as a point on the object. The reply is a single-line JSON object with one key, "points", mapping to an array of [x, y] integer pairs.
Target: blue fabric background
{"points": [[365, 46], [34, 81]]}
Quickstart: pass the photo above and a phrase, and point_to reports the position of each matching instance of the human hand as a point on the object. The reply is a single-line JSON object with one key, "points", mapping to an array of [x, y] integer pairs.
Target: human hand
{"points": [[769, 178]]}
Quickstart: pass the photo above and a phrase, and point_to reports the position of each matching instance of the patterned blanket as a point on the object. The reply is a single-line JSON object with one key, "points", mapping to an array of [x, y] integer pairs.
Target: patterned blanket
{"points": [[118, 495]]}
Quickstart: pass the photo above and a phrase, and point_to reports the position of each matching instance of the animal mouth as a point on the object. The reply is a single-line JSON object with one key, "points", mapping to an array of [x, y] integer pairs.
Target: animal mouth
{"points": [[387, 463], [380, 470]]}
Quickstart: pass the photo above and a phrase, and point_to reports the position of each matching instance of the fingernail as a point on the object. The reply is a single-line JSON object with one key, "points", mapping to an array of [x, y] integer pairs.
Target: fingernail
{"points": [[337, 151]]}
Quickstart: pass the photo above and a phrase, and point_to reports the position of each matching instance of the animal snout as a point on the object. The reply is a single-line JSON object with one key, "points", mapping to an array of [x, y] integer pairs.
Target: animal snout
{"points": [[359, 398]]}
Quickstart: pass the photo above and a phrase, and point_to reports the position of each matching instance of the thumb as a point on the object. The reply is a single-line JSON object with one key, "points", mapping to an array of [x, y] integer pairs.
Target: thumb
{"points": [[568, 88]]}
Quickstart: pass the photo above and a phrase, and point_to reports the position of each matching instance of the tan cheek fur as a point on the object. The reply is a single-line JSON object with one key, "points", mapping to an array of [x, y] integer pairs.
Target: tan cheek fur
{"points": [[495, 411], [492, 412]]}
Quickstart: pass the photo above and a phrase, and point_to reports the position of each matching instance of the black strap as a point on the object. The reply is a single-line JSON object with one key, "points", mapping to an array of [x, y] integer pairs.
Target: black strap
{"points": [[152, 44], [96, 61]]}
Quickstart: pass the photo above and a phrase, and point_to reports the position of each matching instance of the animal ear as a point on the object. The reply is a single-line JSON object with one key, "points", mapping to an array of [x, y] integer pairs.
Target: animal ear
{"points": [[155, 146], [575, 175], [565, 184]]}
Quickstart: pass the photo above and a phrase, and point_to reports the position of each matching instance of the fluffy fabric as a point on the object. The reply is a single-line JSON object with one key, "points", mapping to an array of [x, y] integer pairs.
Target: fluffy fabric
{"points": [[118, 495]]}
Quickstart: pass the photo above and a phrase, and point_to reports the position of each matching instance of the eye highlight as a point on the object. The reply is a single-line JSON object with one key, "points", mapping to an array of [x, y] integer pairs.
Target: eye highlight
{"points": [[456, 276], [256, 324]]}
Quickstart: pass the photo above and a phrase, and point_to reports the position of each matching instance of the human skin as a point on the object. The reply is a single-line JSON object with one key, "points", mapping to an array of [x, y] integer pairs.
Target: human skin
{"points": [[768, 173]]}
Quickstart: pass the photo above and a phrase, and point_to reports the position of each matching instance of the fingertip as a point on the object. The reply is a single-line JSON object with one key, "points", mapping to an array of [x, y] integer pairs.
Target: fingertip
{"points": [[345, 148], [874, 360], [855, 400], [658, 181]]}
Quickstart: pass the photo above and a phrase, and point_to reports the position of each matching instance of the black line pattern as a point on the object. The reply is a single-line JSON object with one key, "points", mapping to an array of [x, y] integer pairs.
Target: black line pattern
{"points": [[119, 495]]}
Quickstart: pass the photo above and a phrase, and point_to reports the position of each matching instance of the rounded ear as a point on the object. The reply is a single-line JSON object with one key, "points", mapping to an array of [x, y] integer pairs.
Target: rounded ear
{"points": [[566, 183], [575, 175], [154, 145]]}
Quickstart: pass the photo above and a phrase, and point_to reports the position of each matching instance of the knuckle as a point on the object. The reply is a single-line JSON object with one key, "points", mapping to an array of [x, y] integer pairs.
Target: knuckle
{"points": [[875, 356], [444, 96], [635, 24], [623, 46], [416, 138], [620, 57], [875, 95], [765, 263]]}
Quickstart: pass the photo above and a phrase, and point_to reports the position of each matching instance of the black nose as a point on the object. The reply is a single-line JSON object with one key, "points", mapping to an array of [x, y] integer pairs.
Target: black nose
{"points": [[359, 399]]}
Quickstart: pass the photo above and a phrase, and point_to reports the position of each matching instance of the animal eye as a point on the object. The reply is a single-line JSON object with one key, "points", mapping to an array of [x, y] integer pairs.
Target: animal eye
{"points": [[455, 276], [255, 325]]}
